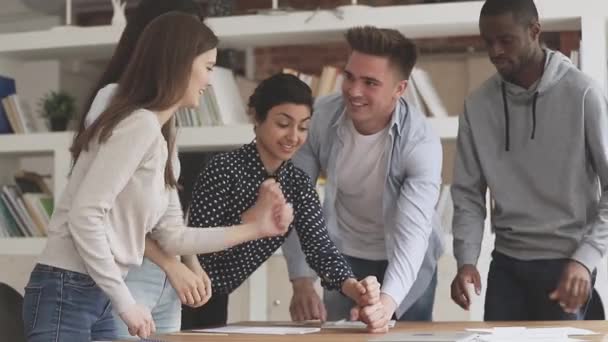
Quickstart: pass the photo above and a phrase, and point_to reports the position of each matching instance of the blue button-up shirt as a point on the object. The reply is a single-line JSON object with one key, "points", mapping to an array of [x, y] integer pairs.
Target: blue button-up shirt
{"points": [[411, 189]]}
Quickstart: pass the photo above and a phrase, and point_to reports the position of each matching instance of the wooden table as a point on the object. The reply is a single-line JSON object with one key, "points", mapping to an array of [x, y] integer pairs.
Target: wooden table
{"points": [[335, 335]]}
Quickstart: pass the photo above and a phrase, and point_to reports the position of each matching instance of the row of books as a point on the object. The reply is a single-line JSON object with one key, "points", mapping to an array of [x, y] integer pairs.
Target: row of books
{"points": [[221, 103], [25, 207], [329, 81], [15, 114], [420, 91]]}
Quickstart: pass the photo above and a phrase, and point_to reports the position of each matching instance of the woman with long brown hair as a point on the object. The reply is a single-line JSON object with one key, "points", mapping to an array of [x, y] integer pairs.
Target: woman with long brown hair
{"points": [[123, 187], [162, 282]]}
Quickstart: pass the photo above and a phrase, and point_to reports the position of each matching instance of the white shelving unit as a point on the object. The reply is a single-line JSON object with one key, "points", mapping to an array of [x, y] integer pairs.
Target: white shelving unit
{"points": [[22, 246], [415, 21]]}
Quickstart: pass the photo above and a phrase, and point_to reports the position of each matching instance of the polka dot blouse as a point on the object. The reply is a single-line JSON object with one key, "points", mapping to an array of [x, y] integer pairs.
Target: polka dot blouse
{"points": [[228, 186]]}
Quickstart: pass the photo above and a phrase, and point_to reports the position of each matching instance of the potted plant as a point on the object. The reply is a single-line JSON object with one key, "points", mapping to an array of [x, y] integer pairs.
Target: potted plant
{"points": [[58, 107]]}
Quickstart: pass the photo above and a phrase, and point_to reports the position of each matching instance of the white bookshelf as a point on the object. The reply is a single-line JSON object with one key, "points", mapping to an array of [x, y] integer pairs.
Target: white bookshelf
{"points": [[57, 145], [242, 32], [210, 138], [188, 138], [417, 21], [215, 138], [22, 246], [36, 143], [60, 42], [446, 128]]}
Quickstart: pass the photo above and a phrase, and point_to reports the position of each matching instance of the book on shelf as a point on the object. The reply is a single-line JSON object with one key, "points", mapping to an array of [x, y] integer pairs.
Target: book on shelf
{"points": [[575, 58], [227, 98], [412, 96], [21, 117], [8, 225], [329, 81], [246, 88], [31, 182], [220, 104], [427, 97], [26, 207], [7, 87], [14, 202], [419, 92]]}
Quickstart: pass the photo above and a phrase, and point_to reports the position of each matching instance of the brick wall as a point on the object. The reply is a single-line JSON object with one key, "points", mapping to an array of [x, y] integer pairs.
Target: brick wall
{"points": [[310, 59], [305, 58]]}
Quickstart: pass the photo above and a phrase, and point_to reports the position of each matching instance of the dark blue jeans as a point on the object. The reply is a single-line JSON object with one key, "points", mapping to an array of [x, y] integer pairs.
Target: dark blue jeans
{"points": [[338, 305], [65, 306], [519, 290]]}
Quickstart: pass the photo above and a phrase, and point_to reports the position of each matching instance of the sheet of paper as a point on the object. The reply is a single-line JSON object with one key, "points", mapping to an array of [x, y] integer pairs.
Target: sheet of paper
{"points": [[344, 324], [521, 334], [242, 329], [489, 338], [566, 330], [550, 331], [428, 336]]}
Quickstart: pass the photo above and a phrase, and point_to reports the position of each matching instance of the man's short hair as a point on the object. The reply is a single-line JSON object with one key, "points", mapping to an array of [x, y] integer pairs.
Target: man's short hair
{"points": [[390, 43], [523, 11]]}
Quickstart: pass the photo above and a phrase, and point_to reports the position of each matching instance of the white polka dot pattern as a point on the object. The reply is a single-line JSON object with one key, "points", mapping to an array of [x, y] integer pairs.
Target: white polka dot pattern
{"points": [[228, 186]]}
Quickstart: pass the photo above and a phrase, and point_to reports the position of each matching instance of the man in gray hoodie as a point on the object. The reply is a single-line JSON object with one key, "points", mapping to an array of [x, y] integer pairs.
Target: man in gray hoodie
{"points": [[535, 134]]}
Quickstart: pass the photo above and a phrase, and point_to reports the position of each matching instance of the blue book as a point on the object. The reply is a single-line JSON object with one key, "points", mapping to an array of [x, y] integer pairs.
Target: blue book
{"points": [[7, 87]]}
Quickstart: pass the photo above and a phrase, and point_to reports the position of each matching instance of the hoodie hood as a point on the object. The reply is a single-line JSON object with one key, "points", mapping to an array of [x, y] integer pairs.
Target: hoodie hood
{"points": [[556, 67], [100, 103]]}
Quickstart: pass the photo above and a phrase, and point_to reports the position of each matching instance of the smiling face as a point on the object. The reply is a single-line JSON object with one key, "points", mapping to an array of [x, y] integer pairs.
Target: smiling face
{"points": [[510, 44], [283, 132], [371, 88], [199, 78]]}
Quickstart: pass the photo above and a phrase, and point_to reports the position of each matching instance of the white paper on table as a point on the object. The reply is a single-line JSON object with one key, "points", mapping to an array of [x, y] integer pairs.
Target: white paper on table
{"points": [[521, 334], [538, 332], [242, 329], [500, 330], [490, 338], [344, 324], [566, 330], [428, 336]]}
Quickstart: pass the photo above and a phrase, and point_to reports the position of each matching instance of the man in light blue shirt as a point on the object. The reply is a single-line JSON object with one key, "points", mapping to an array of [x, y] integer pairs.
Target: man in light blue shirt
{"points": [[383, 166]]}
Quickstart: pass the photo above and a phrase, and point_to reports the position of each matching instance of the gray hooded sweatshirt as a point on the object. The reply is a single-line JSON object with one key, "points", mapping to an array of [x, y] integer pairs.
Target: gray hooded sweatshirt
{"points": [[543, 154]]}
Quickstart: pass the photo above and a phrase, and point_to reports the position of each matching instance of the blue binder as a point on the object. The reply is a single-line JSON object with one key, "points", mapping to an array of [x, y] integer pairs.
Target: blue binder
{"points": [[7, 87]]}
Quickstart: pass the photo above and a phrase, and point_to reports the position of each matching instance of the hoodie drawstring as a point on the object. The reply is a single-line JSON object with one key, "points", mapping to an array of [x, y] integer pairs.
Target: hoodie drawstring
{"points": [[506, 112], [534, 115]]}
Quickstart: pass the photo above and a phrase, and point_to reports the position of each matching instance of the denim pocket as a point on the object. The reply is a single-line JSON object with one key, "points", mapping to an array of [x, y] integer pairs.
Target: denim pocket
{"points": [[31, 303], [76, 279]]}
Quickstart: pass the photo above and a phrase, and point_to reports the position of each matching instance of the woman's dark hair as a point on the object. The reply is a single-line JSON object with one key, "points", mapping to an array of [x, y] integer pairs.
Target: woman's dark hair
{"points": [[276, 90]]}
